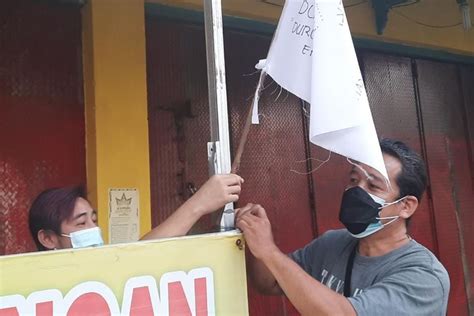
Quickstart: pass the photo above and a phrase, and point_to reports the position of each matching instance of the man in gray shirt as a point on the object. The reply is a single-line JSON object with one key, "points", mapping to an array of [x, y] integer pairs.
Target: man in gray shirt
{"points": [[372, 267]]}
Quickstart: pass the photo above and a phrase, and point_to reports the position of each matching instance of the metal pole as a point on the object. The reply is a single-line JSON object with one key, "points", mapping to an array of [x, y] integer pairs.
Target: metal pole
{"points": [[218, 147]]}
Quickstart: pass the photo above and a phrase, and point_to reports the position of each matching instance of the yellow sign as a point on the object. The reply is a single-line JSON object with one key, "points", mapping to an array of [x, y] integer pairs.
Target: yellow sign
{"points": [[196, 276]]}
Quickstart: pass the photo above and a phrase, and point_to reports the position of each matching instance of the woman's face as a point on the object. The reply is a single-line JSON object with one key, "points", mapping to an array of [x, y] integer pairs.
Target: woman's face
{"points": [[83, 217]]}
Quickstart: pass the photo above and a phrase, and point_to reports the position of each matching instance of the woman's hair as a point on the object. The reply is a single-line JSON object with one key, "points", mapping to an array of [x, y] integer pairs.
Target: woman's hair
{"points": [[51, 208]]}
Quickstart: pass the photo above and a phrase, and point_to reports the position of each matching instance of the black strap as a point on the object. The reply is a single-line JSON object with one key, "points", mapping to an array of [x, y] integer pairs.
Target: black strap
{"points": [[350, 264]]}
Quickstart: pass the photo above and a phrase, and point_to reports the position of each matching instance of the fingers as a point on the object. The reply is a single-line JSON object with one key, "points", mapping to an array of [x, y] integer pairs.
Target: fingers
{"points": [[259, 211], [235, 189], [251, 213], [231, 183], [232, 193], [242, 224], [237, 178], [241, 211], [245, 223], [231, 179], [233, 198], [254, 209]]}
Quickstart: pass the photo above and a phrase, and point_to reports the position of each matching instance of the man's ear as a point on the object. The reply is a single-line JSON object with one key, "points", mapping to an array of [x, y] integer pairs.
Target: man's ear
{"points": [[48, 239], [409, 205]]}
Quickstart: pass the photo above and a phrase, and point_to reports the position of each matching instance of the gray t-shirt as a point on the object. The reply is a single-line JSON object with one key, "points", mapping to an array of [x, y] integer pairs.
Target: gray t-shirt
{"points": [[407, 281]]}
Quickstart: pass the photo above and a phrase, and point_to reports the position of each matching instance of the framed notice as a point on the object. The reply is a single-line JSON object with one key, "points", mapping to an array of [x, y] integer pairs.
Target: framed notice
{"points": [[124, 216]]}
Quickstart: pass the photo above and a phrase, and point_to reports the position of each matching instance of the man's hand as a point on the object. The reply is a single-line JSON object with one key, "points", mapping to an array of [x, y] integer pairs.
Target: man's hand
{"points": [[214, 194], [276, 273], [217, 192], [253, 221]]}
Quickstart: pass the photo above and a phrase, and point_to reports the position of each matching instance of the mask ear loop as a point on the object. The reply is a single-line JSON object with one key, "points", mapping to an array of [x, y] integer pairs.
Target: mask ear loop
{"points": [[392, 203], [391, 218]]}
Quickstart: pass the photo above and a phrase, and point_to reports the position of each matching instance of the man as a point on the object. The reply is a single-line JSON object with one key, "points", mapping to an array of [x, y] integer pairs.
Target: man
{"points": [[371, 268], [62, 218]]}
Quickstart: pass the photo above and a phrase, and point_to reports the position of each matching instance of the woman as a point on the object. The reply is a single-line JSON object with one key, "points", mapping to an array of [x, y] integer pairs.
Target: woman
{"points": [[63, 218]]}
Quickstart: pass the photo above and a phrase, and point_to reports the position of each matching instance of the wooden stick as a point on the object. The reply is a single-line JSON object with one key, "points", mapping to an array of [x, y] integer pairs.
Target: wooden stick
{"points": [[243, 139]]}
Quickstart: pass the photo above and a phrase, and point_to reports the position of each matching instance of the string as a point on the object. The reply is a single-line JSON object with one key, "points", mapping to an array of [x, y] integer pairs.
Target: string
{"points": [[322, 162], [369, 177]]}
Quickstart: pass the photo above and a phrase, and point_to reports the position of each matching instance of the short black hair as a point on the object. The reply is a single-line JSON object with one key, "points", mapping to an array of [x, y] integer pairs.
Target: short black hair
{"points": [[51, 208], [412, 179]]}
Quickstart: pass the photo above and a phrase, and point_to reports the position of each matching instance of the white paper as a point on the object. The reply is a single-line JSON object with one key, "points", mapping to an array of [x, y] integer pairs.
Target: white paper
{"points": [[123, 215], [313, 57], [256, 98]]}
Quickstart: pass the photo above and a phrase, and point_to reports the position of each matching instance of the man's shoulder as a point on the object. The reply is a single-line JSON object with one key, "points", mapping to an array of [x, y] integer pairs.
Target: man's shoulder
{"points": [[425, 257], [329, 240], [333, 240], [418, 257], [416, 252], [328, 247], [336, 235], [408, 280]]}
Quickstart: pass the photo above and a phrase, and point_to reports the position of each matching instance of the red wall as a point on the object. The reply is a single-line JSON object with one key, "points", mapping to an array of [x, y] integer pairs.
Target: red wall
{"points": [[41, 110], [423, 103]]}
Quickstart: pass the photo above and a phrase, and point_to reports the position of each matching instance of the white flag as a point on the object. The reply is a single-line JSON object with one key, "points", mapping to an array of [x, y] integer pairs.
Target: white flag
{"points": [[313, 57]]}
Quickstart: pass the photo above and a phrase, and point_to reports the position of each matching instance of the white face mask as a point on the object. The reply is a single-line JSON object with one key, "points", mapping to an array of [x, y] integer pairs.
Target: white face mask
{"points": [[90, 237]]}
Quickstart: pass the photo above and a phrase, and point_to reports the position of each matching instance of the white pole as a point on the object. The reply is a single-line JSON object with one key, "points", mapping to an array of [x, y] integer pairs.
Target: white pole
{"points": [[219, 147]]}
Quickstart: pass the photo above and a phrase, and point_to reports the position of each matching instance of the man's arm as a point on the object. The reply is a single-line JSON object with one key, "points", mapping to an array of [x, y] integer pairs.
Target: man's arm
{"points": [[214, 194], [308, 295], [261, 277]]}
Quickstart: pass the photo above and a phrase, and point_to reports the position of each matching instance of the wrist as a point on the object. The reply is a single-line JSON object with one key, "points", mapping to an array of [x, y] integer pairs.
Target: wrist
{"points": [[193, 208], [271, 253]]}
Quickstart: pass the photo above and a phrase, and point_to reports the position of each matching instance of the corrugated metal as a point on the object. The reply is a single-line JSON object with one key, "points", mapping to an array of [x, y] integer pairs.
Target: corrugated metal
{"points": [[178, 116], [181, 156], [41, 110], [423, 111], [450, 170], [391, 92], [274, 148], [467, 78], [165, 166]]}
